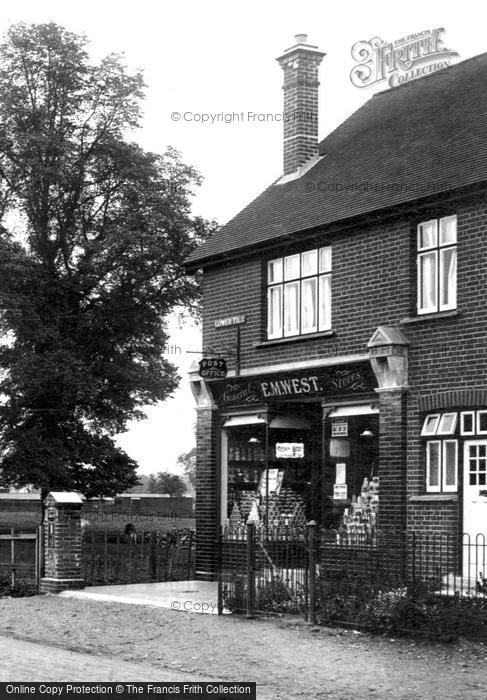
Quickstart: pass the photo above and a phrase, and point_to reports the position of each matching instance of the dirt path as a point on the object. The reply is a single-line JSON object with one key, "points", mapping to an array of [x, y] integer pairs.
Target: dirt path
{"points": [[21, 660], [285, 657]]}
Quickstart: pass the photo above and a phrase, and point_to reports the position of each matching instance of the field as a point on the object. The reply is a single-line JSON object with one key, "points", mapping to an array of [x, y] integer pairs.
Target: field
{"points": [[112, 522], [19, 519], [116, 522]]}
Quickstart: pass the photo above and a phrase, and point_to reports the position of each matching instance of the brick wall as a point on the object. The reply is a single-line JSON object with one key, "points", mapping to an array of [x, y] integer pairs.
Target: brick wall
{"points": [[374, 283], [369, 289], [392, 461], [206, 493]]}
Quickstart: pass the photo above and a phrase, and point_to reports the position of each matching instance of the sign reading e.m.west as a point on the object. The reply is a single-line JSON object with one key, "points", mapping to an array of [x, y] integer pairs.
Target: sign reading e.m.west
{"points": [[323, 381]]}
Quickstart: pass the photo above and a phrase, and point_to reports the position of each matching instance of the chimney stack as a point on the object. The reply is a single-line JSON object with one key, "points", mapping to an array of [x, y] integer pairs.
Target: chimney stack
{"points": [[300, 65]]}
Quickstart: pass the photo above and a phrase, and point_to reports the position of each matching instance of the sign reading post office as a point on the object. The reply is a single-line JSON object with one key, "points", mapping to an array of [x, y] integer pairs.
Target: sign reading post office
{"points": [[212, 368]]}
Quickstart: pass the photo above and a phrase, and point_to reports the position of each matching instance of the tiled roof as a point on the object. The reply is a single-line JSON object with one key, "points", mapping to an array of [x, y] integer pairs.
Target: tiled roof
{"points": [[405, 143]]}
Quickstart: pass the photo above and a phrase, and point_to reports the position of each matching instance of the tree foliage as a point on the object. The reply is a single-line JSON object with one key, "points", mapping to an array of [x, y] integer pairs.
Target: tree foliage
{"points": [[187, 460], [169, 483], [93, 232], [163, 482]]}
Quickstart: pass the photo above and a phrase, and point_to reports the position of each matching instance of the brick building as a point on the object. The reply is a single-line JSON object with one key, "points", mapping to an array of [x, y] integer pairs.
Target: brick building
{"points": [[349, 301]]}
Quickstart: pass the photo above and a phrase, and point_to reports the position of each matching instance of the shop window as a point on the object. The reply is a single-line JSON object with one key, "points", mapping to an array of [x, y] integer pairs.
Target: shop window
{"points": [[437, 265], [352, 444], [299, 294], [270, 478], [441, 466]]}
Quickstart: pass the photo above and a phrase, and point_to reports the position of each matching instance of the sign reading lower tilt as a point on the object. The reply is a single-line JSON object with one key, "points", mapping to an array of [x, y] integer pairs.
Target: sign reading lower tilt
{"points": [[357, 378]]}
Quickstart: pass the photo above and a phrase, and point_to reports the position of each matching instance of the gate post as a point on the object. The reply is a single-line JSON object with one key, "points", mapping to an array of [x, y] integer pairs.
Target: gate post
{"points": [[311, 531], [62, 542], [250, 570], [219, 549]]}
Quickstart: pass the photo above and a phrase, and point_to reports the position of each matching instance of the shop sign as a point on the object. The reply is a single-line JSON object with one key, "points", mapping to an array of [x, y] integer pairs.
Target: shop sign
{"points": [[341, 473], [289, 450], [357, 378], [212, 368], [229, 321], [340, 492], [388, 350], [271, 481], [339, 427]]}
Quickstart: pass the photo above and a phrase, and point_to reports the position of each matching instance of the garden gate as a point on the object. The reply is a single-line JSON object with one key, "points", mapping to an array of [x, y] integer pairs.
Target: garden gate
{"points": [[20, 557]]}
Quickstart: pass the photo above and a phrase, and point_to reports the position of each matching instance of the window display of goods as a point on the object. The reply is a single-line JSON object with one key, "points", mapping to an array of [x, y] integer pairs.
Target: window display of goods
{"points": [[359, 522], [247, 500], [245, 452], [284, 510]]}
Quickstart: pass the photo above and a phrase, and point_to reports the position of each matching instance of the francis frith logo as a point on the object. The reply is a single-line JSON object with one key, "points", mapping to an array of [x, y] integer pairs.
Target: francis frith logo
{"points": [[400, 61]]}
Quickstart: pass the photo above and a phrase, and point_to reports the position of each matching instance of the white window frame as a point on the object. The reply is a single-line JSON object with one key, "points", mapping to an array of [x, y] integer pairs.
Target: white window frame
{"points": [[449, 488], [323, 315], [436, 250], [480, 432], [437, 421], [431, 431], [436, 488], [462, 423], [441, 430], [441, 486]]}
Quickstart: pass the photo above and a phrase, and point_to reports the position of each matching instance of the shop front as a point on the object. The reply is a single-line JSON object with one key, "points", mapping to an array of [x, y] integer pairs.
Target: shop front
{"points": [[298, 446]]}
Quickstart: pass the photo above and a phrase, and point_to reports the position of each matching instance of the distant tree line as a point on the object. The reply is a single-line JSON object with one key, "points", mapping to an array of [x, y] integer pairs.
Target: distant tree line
{"points": [[163, 482]]}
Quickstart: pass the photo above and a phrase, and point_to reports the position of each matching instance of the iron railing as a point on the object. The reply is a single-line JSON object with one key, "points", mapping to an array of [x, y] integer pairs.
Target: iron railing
{"points": [[289, 569], [136, 558]]}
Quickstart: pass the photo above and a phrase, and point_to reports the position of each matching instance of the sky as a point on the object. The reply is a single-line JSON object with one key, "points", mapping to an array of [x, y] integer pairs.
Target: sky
{"points": [[209, 57]]}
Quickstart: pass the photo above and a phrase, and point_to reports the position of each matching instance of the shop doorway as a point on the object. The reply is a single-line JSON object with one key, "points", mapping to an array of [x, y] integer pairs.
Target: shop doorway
{"points": [[475, 509]]}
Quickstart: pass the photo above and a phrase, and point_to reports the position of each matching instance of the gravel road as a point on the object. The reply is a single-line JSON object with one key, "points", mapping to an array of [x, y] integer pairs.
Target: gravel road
{"points": [[287, 658]]}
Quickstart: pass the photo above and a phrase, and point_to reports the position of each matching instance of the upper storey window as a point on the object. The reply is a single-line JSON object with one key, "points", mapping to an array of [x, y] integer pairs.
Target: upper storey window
{"points": [[437, 265], [299, 294]]}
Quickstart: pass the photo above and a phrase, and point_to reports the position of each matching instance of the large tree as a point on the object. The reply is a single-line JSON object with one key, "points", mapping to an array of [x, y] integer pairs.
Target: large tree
{"points": [[93, 232]]}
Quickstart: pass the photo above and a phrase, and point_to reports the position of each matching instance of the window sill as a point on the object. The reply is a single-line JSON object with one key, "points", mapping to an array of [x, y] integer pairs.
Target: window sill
{"points": [[434, 498], [430, 317], [294, 339]]}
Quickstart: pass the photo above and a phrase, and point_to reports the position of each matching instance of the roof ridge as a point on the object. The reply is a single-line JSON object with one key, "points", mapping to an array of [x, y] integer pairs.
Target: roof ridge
{"points": [[430, 75], [376, 163], [397, 87]]}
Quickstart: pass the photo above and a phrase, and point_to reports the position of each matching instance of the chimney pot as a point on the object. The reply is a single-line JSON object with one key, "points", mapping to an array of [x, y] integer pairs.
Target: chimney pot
{"points": [[300, 65]]}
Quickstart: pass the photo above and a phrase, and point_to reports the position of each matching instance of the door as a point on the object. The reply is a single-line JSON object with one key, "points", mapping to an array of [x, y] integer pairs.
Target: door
{"points": [[475, 509]]}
